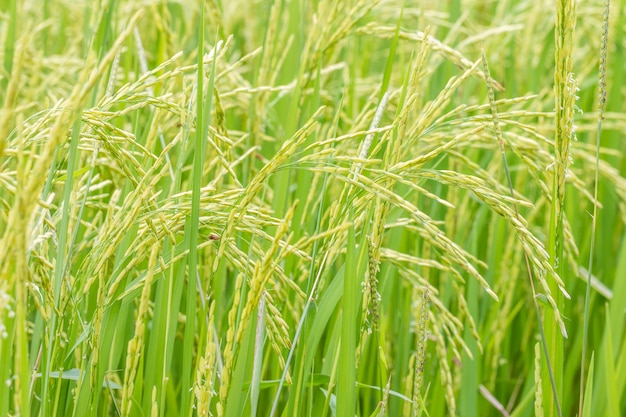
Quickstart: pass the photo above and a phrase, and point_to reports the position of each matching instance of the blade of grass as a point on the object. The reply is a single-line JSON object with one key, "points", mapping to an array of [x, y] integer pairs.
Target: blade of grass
{"points": [[346, 390], [587, 410], [613, 400], [258, 357], [203, 112], [601, 101]]}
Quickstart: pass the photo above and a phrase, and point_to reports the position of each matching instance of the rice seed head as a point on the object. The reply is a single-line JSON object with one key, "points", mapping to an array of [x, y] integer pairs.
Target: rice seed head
{"points": [[371, 286], [420, 361], [604, 45], [538, 384]]}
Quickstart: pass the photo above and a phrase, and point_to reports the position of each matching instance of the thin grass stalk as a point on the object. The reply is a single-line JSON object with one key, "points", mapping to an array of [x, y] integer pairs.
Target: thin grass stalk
{"points": [[601, 107]]}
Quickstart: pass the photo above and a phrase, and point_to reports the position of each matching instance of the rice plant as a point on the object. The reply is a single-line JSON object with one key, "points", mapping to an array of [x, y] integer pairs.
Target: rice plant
{"points": [[312, 208]]}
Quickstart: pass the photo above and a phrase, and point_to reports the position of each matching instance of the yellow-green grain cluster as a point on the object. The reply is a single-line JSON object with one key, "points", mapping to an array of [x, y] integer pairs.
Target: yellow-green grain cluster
{"points": [[311, 208]]}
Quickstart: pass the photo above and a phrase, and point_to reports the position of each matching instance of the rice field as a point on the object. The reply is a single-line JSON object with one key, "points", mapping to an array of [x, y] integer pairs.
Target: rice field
{"points": [[312, 208]]}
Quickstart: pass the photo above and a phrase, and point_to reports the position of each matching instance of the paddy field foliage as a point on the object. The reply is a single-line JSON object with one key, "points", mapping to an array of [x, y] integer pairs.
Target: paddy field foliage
{"points": [[312, 208]]}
